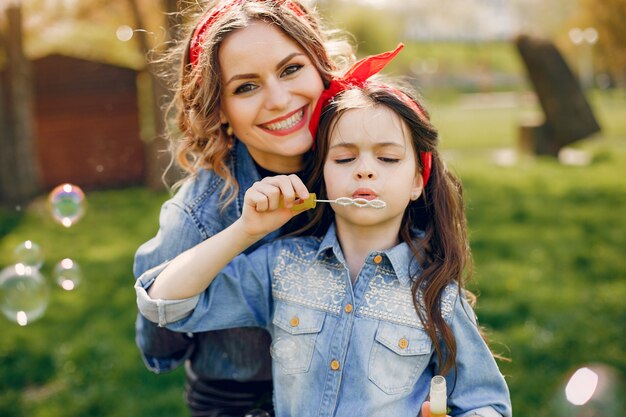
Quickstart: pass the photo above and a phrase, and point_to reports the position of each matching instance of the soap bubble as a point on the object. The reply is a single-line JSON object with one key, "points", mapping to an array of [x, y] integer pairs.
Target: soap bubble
{"points": [[23, 294], [257, 413], [283, 349], [67, 204], [592, 391], [29, 254], [67, 274]]}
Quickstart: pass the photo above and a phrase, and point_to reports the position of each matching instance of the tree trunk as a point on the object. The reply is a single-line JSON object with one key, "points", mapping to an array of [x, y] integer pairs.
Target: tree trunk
{"points": [[157, 150], [19, 167]]}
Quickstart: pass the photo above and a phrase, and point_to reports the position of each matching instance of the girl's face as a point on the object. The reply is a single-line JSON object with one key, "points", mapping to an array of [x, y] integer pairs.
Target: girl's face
{"points": [[371, 156], [269, 90]]}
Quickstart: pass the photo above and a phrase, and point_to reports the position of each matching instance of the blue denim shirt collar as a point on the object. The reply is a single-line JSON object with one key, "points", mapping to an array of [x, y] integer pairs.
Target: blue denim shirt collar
{"points": [[399, 256], [245, 171]]}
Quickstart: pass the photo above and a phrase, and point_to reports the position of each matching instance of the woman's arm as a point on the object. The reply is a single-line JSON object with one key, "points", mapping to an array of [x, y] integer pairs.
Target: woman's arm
{"points": [[266, 208]]}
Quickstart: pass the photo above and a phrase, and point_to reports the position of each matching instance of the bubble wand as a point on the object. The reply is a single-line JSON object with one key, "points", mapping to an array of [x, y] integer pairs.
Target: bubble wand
{"points": [[312, 201]]}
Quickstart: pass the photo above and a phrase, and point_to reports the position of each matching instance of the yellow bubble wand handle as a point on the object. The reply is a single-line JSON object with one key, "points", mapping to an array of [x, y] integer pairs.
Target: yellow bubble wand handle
{"points": [[309, 203]]}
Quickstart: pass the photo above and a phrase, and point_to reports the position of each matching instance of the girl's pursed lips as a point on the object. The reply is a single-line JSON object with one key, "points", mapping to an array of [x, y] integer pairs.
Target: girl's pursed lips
{"points": [[366, 193]]}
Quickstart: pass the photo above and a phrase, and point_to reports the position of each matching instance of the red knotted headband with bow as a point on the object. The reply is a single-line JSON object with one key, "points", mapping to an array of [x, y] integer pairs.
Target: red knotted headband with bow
{"points": [[358, 76], [213, 14]]}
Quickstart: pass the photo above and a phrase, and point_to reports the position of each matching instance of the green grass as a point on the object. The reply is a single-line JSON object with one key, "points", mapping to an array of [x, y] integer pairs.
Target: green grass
{"points": [[548, 241]]}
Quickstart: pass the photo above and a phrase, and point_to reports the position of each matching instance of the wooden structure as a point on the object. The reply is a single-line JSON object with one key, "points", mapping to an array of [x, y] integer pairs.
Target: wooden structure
{"points": [[87, 123], [568, 115]]}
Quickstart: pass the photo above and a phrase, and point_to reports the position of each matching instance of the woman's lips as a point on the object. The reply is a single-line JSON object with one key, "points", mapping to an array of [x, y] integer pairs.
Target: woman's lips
{"points": [[287, 124]]}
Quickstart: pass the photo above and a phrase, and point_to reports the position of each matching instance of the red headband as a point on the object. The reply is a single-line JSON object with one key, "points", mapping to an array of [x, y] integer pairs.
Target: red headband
{"points": [[358, 76], [213, 14]]}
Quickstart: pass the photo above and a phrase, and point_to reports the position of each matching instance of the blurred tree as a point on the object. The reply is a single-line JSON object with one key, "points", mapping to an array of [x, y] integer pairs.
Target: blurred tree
{"points": [[608, 17], [157, 159], [374, 29], [19, 171]]}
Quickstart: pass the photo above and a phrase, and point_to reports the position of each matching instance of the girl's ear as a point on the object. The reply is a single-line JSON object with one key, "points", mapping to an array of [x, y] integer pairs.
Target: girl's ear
{"points": [[418, 187]]}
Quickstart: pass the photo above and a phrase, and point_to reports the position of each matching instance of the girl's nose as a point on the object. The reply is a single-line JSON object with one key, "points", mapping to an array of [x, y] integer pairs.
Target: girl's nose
{"points": [[363, 171]]}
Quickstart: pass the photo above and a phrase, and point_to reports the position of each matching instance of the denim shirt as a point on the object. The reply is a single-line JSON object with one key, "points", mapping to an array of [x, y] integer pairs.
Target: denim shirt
{"points": [[340, 349], [191, 216]]}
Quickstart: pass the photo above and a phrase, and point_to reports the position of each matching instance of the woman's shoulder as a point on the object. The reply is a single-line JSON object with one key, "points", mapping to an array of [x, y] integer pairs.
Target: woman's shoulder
{"points": [[198, 188]]}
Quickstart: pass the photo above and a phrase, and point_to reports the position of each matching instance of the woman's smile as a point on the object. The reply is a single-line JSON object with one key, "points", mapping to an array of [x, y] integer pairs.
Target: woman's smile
{"points": [[286, 124]]}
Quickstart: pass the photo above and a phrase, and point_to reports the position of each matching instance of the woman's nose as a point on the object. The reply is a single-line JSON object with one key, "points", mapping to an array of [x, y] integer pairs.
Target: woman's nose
{"points": [[278, 96]]}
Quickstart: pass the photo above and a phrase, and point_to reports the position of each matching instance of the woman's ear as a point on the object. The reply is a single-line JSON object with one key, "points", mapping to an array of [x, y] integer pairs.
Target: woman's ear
{"points": [[223, 119]]}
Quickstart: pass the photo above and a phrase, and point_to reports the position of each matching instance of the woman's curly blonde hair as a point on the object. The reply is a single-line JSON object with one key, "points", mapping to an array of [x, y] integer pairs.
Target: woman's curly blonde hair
{"points": [[198, 140]]}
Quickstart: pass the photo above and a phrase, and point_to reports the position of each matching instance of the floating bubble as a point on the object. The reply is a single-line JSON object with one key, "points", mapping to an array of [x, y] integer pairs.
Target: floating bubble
{"points": [[29, 254], [257, 413], [23, 294], [581, 386], [67, 274], [67, 204], [592, 391], [283, 349]]}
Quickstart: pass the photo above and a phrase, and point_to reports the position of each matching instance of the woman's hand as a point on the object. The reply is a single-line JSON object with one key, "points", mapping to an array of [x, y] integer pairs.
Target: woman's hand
{"points": [[267, 204]]}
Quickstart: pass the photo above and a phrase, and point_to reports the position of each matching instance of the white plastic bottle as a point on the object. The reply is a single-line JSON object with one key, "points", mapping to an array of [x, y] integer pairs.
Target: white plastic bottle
{"points": [[438, 397]]}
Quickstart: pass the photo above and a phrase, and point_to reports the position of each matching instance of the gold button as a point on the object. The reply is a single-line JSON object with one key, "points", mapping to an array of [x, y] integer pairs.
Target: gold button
{"points": [[294, 321], [378, 259], [403, 343], [334, 365], [348, 308]]}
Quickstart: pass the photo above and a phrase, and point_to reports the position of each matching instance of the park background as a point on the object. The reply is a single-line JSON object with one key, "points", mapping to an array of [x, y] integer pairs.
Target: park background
{"points": [[548, 234]]}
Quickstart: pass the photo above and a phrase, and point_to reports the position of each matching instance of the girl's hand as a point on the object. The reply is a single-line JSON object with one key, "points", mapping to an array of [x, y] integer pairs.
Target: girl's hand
{"points": [[267, 204], [426, 409]]}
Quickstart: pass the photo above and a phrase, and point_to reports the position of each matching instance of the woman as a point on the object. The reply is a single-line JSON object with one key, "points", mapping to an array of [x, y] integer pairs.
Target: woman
{"points": [[251, 75]]}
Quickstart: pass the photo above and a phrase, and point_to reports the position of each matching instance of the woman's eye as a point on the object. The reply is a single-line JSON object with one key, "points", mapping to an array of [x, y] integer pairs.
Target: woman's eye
{"points": [[290, 69], [245, 88]]}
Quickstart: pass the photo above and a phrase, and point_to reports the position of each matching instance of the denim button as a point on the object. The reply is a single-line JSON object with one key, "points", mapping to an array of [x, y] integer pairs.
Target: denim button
{"points": [[334, 364], [378, 259], [403, 343], [348, 308]]}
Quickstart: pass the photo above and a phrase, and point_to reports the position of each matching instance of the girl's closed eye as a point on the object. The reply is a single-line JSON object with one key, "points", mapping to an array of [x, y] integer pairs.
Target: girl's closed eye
{"points": [[389, 159]]}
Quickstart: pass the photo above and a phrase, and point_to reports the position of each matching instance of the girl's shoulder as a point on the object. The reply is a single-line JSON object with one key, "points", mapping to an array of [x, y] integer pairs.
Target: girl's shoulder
{"points": [[304, 246]]}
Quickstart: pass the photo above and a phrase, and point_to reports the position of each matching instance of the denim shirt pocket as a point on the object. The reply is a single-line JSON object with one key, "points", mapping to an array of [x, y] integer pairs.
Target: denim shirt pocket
{"points": [[398, 357], [296, 330]]}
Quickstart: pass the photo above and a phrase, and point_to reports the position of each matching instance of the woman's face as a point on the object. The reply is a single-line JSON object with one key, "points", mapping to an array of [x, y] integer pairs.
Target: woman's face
{"points": [[269, 90]]}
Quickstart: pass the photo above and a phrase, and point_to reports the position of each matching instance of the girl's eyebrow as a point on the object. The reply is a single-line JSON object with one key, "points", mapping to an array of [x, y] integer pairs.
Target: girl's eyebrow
{"points": [[252, 75], [376, 145]]}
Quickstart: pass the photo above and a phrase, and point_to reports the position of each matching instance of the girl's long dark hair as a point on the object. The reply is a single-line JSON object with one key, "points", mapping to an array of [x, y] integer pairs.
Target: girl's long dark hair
{"points": [[443, 251]]}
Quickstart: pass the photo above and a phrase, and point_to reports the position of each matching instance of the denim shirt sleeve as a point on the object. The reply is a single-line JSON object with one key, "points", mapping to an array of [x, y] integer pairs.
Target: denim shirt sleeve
{"points": [[240, 296], [480, 387], [163, 350]]}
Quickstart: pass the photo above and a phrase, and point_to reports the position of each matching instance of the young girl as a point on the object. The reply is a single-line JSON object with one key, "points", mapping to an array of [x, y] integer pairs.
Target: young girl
{"points": [[250, 75], [364, 315]]}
